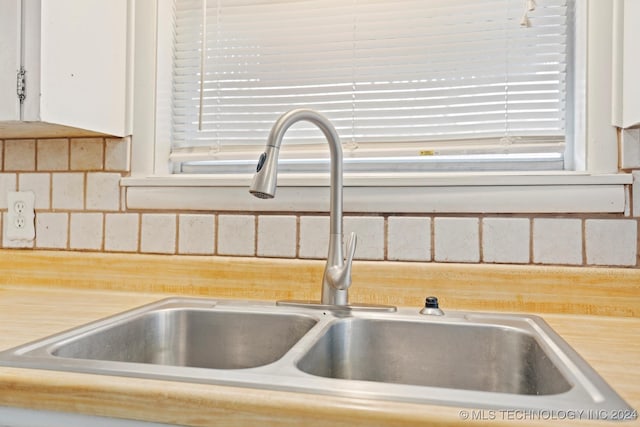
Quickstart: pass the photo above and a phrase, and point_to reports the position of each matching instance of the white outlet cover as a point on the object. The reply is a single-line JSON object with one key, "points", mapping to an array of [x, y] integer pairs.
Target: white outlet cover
{"points": [[20, 216]]}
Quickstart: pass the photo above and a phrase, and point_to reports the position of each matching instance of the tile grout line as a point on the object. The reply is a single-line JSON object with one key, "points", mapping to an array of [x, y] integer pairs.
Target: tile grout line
{"points": [[385, 237], [583, 236], [103, 155], [255, 234], [637, 243], [176, 243], [432, 255], [139, 240], [298, 237], [35, 155], [103, 231], [480, 239], [68, 214], [531, 247], [215, 233]]}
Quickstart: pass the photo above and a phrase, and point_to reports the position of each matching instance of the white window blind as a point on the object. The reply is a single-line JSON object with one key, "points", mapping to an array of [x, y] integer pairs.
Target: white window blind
{"points": [[408, 84]]}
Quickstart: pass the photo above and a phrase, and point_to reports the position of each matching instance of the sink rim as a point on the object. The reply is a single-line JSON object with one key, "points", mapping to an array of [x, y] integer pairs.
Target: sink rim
{"points": [[589, 390]]}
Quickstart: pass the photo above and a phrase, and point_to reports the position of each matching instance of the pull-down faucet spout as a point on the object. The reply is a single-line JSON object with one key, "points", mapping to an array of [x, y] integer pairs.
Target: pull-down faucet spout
{"points": [[337, 272]]}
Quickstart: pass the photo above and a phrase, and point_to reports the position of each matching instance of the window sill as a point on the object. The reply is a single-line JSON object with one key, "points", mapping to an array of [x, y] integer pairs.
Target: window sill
{"points": [[549, 192]]}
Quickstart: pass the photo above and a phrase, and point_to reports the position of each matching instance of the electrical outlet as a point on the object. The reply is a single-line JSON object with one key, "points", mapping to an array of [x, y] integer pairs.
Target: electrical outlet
{"points": [[20, 215]]}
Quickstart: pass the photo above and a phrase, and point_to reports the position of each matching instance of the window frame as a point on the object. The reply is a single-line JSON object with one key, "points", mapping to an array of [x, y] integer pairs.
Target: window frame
{"points": [[596, 186]]}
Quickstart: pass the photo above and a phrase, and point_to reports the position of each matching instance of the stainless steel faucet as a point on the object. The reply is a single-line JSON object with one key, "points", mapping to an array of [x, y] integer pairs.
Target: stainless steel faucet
{"points": [[337, 272]]}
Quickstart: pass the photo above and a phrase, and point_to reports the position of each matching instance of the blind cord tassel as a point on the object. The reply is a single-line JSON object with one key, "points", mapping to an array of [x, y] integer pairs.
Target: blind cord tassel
{"points": [[529, 6]]}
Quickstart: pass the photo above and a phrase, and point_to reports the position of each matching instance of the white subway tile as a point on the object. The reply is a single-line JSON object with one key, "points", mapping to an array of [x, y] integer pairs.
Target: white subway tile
{"points": [[277, 236], [158, 233], [116, 156], [611, 242], [40, 184], [123, 199], [370, 234], [196, 234], [557, 241], [20, 155], [68, 191], [8, 183], [506, 240], [52, 230], [86, 154], [457, 239], [85, 231], [53, 154], [103, 191], [6, 243], [409, 239], [121, 232], [236, 235], [314, 237]]}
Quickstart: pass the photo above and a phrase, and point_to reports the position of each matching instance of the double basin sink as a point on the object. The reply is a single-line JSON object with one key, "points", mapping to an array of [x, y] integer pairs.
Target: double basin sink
{"points": [[464, 359]]}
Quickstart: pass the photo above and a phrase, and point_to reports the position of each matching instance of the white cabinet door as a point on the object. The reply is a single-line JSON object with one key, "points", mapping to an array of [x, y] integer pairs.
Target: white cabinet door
{"points": [[84, 64], [626, 64], [626, 79], [9, 58], [631, 64], [78, 57]]}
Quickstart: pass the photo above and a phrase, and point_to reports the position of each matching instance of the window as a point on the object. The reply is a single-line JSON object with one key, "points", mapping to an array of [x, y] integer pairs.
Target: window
{"points": [[590, 181], [410, 85]]}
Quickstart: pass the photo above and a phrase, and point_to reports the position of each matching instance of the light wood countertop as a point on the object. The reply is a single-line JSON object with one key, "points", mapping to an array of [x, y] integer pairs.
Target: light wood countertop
{"points": [[39, 299]]}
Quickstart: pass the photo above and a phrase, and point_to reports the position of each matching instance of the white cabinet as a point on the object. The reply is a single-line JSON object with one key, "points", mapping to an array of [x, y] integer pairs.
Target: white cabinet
{"points": [[626, 80], [9, 58], [76, 54], [626, 65]]}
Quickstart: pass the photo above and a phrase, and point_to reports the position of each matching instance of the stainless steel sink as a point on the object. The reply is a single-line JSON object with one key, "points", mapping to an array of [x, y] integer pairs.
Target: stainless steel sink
{"points": [[476, 360], [192, 337], [455, 356]]}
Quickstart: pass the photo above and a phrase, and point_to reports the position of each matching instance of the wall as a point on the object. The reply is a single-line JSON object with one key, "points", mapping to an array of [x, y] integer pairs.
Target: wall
{"points": [[80, 206]]}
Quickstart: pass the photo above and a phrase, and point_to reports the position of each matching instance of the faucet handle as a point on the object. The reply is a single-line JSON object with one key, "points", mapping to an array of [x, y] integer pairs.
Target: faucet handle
{"points": [[351, 249], [340, 276]]}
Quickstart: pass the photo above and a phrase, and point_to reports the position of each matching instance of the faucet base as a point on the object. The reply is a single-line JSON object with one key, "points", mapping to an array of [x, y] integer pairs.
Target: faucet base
{"points": [[331, 307]]}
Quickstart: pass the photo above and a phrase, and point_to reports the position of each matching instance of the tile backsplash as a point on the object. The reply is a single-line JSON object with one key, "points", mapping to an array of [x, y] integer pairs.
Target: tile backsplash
{"points": [[80, 206]]}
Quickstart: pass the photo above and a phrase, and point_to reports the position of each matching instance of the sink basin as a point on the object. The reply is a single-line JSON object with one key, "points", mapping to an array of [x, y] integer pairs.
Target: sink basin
{"points": [[192, 337], [464, 359], [476, 357]]}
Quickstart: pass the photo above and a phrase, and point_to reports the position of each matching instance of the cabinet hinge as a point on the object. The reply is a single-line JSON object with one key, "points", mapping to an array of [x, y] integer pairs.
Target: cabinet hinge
{"points": [[21, 85]]}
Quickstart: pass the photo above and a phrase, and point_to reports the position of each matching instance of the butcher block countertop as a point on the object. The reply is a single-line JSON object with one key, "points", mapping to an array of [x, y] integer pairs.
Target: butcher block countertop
{"points": [[597, 310]]}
